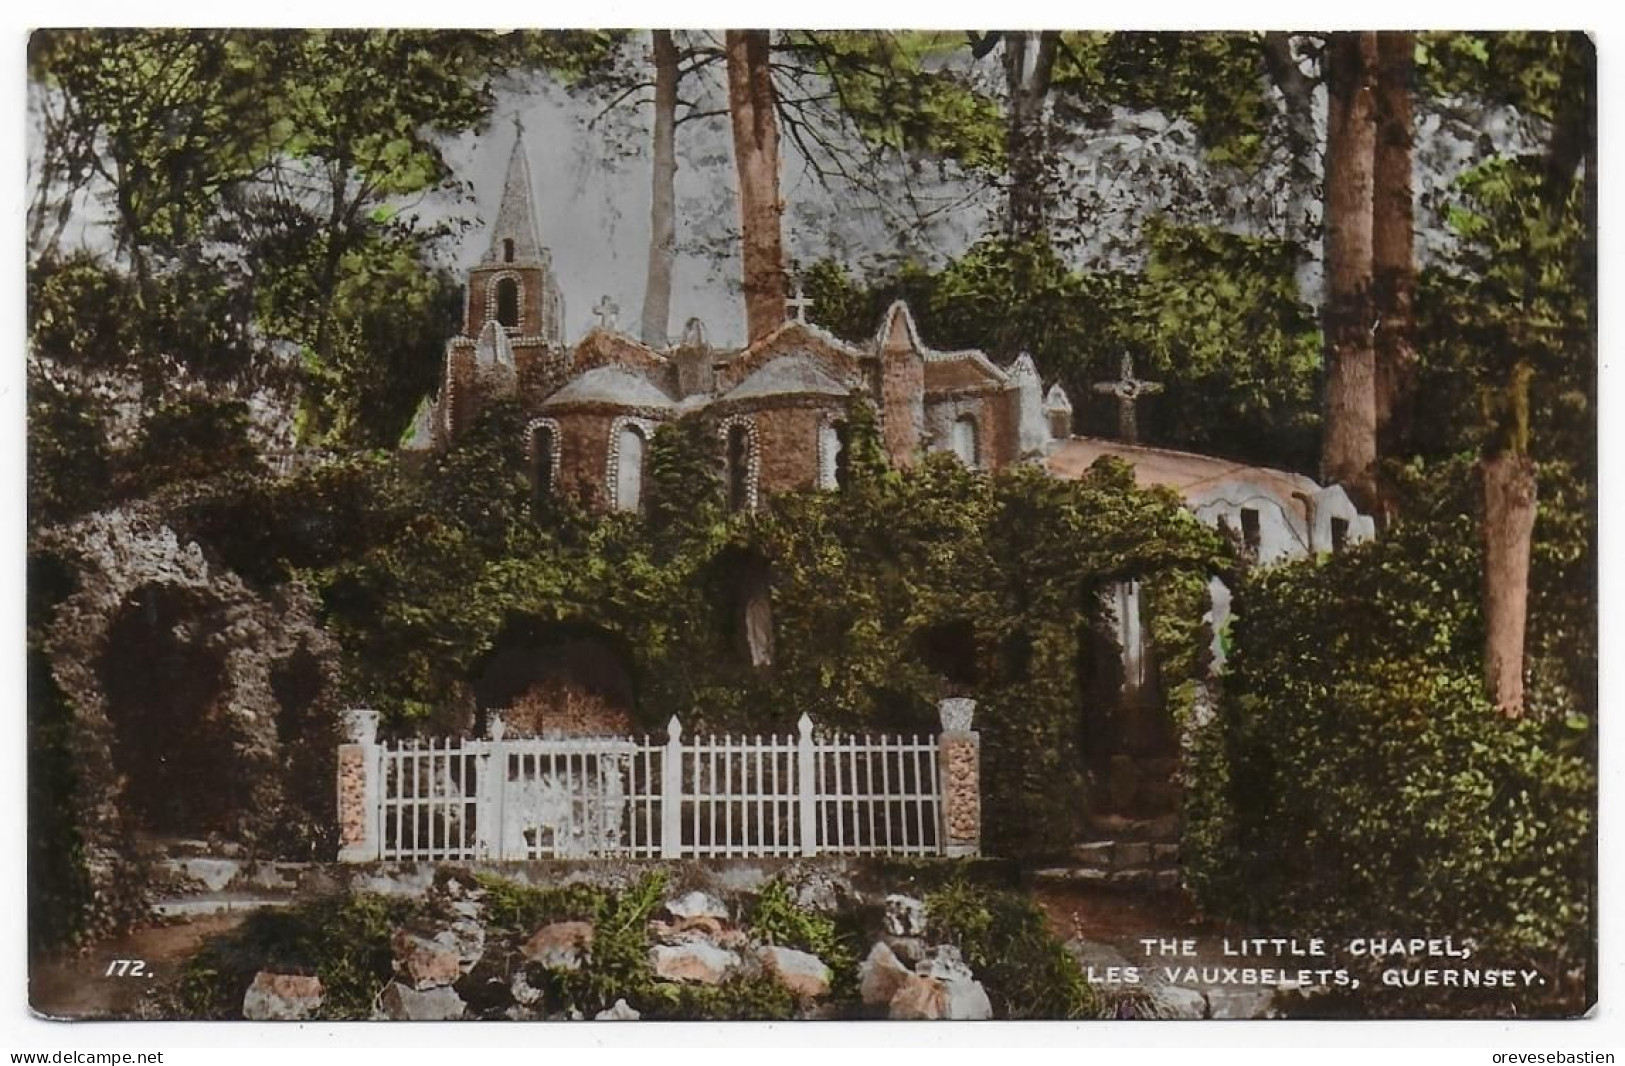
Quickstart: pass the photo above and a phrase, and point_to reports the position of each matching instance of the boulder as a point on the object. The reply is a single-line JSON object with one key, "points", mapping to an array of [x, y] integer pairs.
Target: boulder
{"points": [[559, 946], [524, 993], [905, 916], [697, 963], [801, 972], [919, 998], [425, 962], [942, 987], [880, 976], [697, 905], [282, 997], [401, 1003], [620, 1012], [817, 891], [910, 950]]}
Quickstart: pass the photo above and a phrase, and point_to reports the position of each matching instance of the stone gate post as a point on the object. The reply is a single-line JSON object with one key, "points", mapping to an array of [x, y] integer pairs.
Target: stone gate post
{"points": [[358, 787], [959, 760]]}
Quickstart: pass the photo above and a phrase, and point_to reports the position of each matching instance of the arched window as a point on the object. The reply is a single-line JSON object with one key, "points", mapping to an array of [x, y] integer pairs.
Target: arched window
{"points": [[834, 455], [508, 302], [507, 249], [964, 441], [544, 443], [629, 468], [738, 461]]}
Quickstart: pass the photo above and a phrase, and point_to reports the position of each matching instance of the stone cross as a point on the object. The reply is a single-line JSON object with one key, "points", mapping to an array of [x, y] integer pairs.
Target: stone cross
{"points": [[1127, 389], [606, 311], [799, 303]]}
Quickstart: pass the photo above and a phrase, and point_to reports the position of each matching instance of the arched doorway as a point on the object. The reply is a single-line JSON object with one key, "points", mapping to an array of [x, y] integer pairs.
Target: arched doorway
{"points": [[165, 690], [558, 679]]}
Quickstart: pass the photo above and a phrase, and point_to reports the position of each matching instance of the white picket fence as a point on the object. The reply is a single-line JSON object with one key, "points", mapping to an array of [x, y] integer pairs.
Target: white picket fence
{"points": [[526, 798]]}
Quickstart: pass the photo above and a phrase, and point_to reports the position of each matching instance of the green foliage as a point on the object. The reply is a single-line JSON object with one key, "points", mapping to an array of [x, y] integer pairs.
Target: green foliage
{"points": [[1214, 80], [343, 940], [775, 918], [1025, 968], [1356, 779]]}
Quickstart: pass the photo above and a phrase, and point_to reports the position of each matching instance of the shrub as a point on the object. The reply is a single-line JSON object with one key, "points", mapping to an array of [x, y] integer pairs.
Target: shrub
{"points": [[1024, 967], [1355, 778]]}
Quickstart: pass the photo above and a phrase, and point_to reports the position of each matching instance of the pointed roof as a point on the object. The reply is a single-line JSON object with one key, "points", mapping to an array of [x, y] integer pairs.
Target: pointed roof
{"points": [[613, 386], [789, 375], [516, 217]]}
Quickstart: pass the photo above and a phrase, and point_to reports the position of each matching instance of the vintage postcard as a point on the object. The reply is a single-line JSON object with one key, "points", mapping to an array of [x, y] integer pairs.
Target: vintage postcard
{"points": [[742, 524]]}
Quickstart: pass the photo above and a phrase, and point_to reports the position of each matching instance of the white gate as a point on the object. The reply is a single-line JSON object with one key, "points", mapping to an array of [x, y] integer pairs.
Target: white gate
{"points": [[725, 796]]}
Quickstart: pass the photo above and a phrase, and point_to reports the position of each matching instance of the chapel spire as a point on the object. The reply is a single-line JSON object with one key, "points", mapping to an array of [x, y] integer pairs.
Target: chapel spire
{"points": [[514, 235]]}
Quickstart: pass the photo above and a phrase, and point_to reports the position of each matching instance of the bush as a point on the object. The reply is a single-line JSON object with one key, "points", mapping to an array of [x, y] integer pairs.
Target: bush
{"points": [[1355, 778], [1024, 967], [344, 940]]}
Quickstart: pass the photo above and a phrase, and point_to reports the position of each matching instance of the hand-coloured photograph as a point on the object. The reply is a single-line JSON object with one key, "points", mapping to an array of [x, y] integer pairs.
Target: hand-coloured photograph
{"points": [[600, 525]]}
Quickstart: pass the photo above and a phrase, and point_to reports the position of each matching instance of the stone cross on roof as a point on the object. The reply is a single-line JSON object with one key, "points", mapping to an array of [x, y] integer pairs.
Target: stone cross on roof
{"points": [[606, 311], [1127, 389], [799, 304]]}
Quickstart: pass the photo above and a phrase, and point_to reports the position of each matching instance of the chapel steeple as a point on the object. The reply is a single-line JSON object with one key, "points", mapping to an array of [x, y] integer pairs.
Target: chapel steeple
{"points": [[513, 285], [514, 235]]}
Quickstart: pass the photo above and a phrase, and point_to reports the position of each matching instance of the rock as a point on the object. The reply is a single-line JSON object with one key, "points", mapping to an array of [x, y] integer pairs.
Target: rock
{"points": [[282, 997], [702, 926], [1174, 1002], [698, 963], [945, 963], [1239, 1003], [801, 972], [817, 891], [697, 905], [212, 874], [880, 976], [919, 999], [910, 950], [524, 993], [559, 946], [426, 962], [400, 1003], [620, 1012], [905, 916], [963, 997]]}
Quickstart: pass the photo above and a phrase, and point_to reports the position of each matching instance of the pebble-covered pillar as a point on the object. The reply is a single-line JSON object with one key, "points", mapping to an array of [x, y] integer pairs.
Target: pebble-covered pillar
{"points": [[959, 755], [358, 787]]}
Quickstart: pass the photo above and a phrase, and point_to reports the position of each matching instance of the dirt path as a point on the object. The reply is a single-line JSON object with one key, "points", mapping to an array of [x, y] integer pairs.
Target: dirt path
{"points": [[71, 985]]}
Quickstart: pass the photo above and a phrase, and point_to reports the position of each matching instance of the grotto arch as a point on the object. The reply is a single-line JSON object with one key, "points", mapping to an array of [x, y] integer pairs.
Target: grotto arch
{"points": [[557, 678], [165, 663]]}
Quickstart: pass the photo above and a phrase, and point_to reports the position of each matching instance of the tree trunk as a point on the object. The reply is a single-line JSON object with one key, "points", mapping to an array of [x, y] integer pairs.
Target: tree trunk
{"points": [[1029, 62], [1393, 250], [1349, 436], [751, 106], [663, 202], [1509, 523]]}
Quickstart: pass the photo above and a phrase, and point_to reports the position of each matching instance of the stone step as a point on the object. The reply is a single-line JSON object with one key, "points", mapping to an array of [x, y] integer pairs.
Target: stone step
{"points": [[212, 874], [1126, 854], [1160, 829], [1145, 878], [210, 903]]}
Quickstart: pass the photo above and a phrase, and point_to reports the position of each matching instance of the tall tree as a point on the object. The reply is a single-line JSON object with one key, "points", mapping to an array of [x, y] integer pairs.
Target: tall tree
{"points": [[663, 197], [752, 110], [1393, 248], [1349, 443], [1029, 67]]}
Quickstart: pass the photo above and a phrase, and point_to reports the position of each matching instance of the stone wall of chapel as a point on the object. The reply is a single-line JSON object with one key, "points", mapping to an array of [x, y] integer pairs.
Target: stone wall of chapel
{"points": [[995, 426], [584, 455], [788, 439], [902, 405]]}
